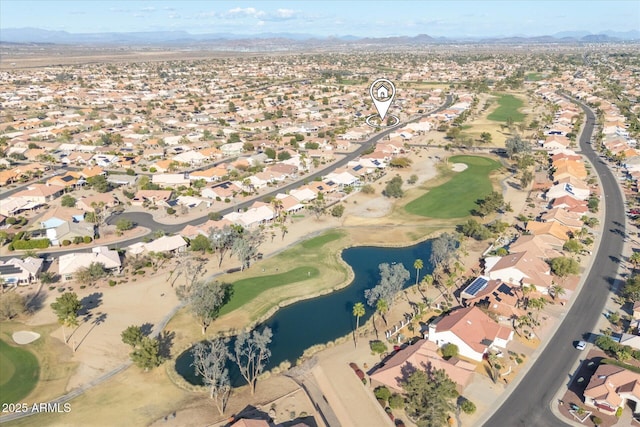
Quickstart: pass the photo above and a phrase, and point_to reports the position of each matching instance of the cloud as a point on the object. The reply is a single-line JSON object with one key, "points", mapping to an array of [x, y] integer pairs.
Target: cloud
{"points": [[148, 9], [285, 13], [245, 12]]}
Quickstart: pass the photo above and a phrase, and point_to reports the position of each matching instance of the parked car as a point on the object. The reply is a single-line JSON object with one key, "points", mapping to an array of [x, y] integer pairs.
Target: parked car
{"points": [[357, 370], [581, 345]]}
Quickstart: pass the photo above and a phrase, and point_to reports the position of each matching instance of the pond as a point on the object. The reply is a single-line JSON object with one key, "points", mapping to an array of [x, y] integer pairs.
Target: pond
{"points": [[319, 320]]}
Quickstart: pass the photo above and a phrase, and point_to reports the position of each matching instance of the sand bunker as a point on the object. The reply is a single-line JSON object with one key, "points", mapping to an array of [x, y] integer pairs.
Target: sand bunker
{"points": [[25, 337], [458, 167]]}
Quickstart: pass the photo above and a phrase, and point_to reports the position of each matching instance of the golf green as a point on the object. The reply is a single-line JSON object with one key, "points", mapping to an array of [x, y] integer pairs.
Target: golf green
{"points": [[19, 373], [508, 106], [457, 197], [247, 289]]}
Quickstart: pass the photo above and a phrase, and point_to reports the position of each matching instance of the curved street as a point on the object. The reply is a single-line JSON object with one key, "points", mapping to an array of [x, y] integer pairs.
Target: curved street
{"points": [[146, 220], [529, 403]]}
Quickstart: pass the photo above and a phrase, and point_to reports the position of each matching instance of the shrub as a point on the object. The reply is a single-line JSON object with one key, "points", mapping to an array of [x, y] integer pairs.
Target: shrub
{"points": [[449, 350], [378, 347], [396, 401], [11, 220], [382, 393], [30, 244], [87, 239], [124, 224], [596, 420], [112, 282], [171, 211], [78, 240], [337, 211], [368, 189], [468, 407], [66, 242]]}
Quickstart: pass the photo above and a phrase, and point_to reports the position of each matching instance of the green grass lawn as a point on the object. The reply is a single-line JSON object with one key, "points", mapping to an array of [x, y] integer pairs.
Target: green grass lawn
{"points": [[456, 198], [247, 289], [534, 77], [321, 240], [19, 373], [508, 106]]}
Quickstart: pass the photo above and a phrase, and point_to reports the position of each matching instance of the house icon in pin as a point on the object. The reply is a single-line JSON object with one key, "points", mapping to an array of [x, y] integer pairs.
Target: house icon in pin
{"points": [[383, 92]]}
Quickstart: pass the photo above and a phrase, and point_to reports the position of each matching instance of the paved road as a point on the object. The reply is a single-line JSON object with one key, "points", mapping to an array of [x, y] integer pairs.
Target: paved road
{"points": [[146, 220], [529, 403]]}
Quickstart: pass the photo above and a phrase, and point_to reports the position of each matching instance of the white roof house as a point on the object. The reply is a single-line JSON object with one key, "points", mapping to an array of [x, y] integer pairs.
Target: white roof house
{"points": [[190, 157], [18, 271], [566, 189], [303, 194], [342, 179], [251, 217], [163, 244], [171, 179], [70, 263]]}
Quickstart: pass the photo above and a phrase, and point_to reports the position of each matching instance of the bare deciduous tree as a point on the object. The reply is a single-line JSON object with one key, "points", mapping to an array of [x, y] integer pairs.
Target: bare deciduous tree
{"points": [[209, 360], [205, 299], [251, 354]]}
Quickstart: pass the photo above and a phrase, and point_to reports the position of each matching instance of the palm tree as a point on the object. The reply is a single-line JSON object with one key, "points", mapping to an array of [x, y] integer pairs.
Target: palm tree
{"points": [[427, 280], [417, 264], [277, 206], [358, 311], [557, 290], [537, 304], [635, 259], [521, 321], [382, 307]]}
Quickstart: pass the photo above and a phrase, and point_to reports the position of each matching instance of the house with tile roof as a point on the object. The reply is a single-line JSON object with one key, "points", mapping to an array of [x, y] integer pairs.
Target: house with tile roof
{"points": [[40, 193], [493, 295], [570, 204], [610, 387], [538, 246], [552, 228], [471, 330], [420, 355], [570, 220], [521, 268]]}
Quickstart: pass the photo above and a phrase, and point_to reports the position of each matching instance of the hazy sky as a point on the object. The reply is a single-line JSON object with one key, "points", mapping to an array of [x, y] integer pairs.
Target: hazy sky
{"points": [[359, 18]]}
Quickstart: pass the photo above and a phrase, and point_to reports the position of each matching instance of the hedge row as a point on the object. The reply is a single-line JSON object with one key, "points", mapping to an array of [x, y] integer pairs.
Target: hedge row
{"points": [[29, 244]]}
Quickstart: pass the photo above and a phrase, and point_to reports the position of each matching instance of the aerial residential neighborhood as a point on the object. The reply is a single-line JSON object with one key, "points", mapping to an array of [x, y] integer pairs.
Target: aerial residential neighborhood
{"points": [[289, 222]]}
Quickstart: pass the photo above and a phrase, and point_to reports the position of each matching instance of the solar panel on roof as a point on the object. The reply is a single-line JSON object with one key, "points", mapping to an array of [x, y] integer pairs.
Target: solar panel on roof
{"points": [[476, 286], [9, 269], [505, 289], [357, 167]]}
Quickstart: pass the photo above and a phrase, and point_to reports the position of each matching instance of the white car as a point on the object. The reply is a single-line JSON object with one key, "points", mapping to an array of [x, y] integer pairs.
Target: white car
{"points": [[581, 345]]}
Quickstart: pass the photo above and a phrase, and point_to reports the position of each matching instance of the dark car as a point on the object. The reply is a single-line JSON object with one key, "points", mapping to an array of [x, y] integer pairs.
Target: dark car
{"points": [[357, 370]]}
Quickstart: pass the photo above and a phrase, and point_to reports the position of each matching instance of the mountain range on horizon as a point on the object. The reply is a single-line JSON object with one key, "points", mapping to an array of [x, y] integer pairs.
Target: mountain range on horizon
{"points": [[39, 36]]}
